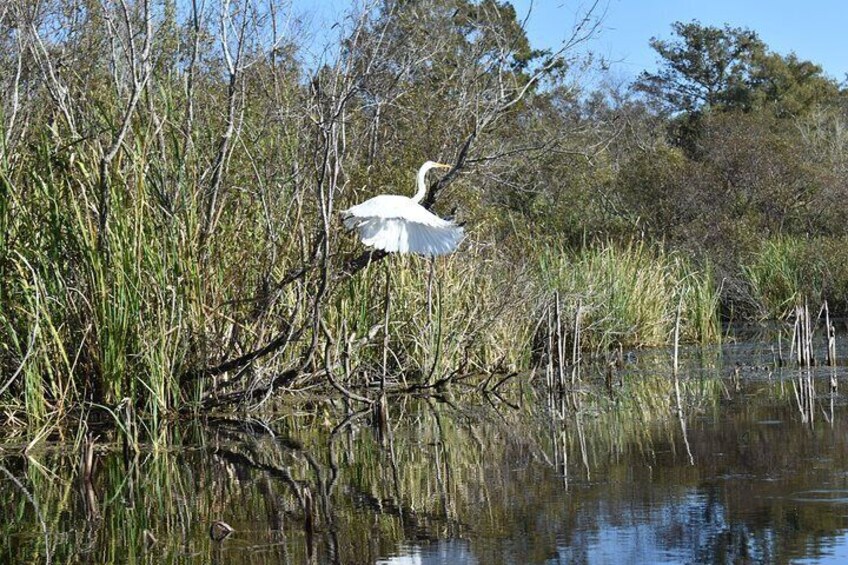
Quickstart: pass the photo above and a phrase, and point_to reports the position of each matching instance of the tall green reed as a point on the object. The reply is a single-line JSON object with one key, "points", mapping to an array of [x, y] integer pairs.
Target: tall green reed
{"points": [[114, 319], [628, 294], [465, 314], [785, 270]]}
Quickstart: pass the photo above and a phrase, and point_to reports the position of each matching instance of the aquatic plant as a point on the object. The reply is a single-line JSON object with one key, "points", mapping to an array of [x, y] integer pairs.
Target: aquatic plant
{"points": [[628, 294], [786, 270]]}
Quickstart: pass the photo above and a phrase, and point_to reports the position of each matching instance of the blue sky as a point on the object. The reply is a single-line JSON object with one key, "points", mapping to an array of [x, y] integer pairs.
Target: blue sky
{"points": [[816, 30]]}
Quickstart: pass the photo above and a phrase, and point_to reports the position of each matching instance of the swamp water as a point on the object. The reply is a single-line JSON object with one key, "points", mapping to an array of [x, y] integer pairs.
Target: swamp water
{"points": [[602, 475]]}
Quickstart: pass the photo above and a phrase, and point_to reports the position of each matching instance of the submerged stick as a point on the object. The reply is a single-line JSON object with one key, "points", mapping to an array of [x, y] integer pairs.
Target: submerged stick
{"points": [[834, 383]]}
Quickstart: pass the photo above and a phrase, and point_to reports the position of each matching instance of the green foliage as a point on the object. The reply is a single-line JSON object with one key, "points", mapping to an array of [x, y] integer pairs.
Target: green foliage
{"points": [[785, 271], [791, 87], [704, 67], [114, 324], [753, 179], [653, 188], [731, 69], [629, 294]]}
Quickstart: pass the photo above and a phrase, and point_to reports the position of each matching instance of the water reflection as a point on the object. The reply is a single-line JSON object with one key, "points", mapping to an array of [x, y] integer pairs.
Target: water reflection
{"points": [[601, 475], [441, 552]]}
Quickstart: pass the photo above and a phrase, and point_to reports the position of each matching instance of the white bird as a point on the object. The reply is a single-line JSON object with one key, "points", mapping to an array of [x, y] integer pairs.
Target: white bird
{"points": [[399, 224]]}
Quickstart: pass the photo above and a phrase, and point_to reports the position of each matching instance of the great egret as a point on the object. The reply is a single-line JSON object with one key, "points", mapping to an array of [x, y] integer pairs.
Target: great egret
{"points": [[399, 224]]}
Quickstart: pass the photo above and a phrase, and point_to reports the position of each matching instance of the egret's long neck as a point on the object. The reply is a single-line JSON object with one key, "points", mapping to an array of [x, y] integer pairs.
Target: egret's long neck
{"points": [[422, 186]]}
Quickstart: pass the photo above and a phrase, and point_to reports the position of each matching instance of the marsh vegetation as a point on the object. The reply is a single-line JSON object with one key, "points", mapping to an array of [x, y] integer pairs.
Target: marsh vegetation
{"points": [[171, 178]]}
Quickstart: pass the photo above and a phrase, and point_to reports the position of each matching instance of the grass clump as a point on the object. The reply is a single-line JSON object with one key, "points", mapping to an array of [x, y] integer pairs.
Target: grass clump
{"points": [[784, 270], [461, 313], [81, 324], [629, 294]]}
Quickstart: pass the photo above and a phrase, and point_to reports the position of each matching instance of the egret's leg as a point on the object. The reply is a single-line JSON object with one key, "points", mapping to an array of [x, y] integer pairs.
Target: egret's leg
{"points": [[434, 329], [387, 309], [432, 261], [381, 410]]}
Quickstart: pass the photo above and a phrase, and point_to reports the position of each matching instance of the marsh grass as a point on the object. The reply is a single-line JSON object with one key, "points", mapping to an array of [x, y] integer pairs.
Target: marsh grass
{"points": [[629, 294], [81, 324], [786, 270], [118, 328], [461, 313], [84, 324]]}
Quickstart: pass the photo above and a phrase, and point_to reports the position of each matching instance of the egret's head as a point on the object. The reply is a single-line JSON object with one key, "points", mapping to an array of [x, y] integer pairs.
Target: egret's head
{"points": [[434, 165], [422, 172]]}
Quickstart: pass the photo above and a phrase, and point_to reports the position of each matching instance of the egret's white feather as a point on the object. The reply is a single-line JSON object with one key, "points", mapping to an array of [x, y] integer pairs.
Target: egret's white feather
{"points": [[397, 236], [398, 224], [394, 206]]}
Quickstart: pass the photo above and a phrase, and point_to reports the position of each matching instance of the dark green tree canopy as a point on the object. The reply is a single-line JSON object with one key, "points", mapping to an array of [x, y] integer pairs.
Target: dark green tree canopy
{"points": [[728, 69], [790, 86], [703, 66]]}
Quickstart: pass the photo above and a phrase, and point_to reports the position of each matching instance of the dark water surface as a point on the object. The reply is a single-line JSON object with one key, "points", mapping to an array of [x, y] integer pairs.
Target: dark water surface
{"points": [[603, 475]]}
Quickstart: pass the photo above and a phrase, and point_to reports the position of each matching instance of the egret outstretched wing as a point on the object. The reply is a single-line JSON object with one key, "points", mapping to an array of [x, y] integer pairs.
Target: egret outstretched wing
{"points": [[398, 224], [398, 235]]}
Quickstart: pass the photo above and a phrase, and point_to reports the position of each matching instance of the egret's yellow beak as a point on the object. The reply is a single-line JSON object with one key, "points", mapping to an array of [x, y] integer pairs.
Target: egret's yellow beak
{"points": [[443, 166]]}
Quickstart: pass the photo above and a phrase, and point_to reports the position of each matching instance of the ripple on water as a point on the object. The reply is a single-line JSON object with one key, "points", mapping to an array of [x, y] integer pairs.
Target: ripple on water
{"points": [[830, 496]]}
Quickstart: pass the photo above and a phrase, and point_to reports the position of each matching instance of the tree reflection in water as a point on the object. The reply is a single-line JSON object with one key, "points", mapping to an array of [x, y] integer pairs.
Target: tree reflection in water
{"points": [[480, 479]]}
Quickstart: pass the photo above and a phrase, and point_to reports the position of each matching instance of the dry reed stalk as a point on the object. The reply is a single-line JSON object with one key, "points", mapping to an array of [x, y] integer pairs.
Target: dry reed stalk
{"points": [[549, 374], [676, 371], [802, 336], [560, 343], [808, 334], [831, 337], [676, 363], [793, 342], [575, 350], [576, 359]]}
